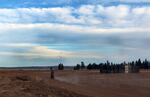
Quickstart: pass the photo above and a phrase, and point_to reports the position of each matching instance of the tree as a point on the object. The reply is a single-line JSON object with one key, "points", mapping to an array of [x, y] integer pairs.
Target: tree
{"points": [[60, 66], [145, 64], [94, 66], [82, 65], [89, 66], [77, 67], [139, 63]]}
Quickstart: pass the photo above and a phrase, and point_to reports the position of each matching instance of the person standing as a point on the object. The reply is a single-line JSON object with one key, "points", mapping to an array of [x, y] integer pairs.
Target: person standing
{"points": [[52, 73]]}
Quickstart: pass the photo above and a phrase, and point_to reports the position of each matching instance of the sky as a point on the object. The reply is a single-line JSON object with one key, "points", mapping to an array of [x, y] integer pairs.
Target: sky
{"points": [[47, 32]]}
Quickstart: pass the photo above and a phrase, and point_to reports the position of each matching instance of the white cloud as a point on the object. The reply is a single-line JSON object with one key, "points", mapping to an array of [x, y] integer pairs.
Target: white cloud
{"points": [[44, 51], [35, 51], [86, 9], [62, 28], [17, 45], [88, 15], [86, 24], [117, 12]]}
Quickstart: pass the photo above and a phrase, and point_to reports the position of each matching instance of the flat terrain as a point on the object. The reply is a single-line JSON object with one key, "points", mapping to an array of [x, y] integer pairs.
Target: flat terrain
{"points": [[68, 83]]}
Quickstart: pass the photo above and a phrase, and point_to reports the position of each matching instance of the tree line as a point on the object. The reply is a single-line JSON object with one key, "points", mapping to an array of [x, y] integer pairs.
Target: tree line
{"points": [[110, 67]]}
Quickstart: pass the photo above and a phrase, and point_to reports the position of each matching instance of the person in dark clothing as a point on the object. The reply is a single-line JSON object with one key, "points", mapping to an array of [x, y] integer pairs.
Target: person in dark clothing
{"points": [[52, 73]]}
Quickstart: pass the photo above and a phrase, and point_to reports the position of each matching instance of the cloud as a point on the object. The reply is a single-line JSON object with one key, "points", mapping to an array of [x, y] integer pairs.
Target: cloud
{"points": [[33, 30], [31, 35], [46, 52], [84, 32], [87, 15], [34, 51], [39, 52], [15, 45]]}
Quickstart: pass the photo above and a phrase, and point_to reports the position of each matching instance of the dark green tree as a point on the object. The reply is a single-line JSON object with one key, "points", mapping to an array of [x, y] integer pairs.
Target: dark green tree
{"points": [[89, 67], [60, 66], [77, 67], [82, 65]]}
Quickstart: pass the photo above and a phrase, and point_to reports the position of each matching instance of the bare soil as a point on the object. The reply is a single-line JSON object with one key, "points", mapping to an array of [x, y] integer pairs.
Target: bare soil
{"points": [[31, 84], [68, 83]]}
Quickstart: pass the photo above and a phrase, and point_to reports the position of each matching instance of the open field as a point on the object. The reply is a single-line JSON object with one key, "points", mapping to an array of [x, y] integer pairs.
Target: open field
{"points": [[68, 83]]}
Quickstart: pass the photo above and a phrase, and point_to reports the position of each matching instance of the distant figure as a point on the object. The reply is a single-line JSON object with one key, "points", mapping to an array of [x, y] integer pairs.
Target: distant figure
{"points": [[52, 73]]}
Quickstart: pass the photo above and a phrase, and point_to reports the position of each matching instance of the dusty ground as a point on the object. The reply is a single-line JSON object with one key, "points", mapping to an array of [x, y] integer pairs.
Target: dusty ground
{"points": [[69, 83], [109, 85], [32, 84]]}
